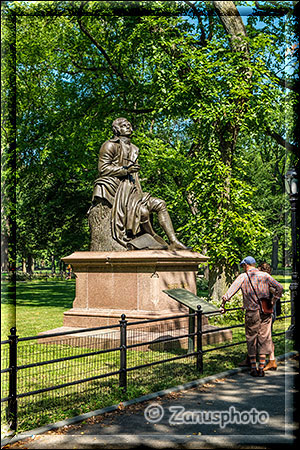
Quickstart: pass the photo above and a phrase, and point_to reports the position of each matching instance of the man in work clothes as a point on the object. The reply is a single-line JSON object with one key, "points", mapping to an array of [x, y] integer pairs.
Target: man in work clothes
{"points": [[257, 323]]}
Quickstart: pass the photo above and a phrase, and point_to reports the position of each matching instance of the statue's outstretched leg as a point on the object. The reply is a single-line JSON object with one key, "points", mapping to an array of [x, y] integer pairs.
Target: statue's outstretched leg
{"points": [[159, 206], [166, 223], [147, 227]]}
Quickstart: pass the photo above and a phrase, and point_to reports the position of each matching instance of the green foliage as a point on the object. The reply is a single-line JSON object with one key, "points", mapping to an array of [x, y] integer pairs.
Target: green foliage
{"points": [[198, 107], [202, 287], [266, 165]]}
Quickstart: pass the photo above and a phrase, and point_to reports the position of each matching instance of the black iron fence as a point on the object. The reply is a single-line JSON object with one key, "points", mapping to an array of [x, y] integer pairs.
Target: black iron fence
{"points": [[44, 372], [45, 275]]}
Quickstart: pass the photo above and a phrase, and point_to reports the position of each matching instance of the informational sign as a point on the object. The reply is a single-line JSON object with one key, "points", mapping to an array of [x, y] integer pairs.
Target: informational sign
{"points": [[191, 300]]}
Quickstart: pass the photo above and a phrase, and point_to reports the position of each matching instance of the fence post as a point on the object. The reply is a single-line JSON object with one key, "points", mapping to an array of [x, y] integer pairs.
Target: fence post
{"points": [[123, 353], [12, 408], [199, 339], [191, 339]]}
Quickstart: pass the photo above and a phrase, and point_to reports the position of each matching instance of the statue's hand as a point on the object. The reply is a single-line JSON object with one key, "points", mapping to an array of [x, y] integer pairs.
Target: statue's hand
{"points": [[134, 168]]}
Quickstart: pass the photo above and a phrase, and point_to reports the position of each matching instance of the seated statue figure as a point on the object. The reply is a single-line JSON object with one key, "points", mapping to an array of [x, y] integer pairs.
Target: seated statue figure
{"points": [[120, 214]]}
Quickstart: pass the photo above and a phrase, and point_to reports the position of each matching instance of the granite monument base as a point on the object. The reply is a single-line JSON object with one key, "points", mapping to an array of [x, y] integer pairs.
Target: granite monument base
{"points": [[109, 284]]}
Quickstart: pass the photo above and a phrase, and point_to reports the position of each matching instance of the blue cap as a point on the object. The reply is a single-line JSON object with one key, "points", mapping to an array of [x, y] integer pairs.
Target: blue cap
{"points": [[248, 260]]}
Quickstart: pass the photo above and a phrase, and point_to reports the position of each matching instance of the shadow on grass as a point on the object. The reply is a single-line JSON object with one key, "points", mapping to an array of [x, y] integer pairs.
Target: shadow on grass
{"points": [[39, 293]]}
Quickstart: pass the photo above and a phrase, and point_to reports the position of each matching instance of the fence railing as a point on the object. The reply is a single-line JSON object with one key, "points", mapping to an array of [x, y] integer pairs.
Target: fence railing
{"points": [[81, 357], [285, 271], [46, 275]]}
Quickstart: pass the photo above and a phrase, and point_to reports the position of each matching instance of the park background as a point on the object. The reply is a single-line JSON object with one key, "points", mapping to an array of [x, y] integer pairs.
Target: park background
{"points": [[212, 99], [211, 93]]}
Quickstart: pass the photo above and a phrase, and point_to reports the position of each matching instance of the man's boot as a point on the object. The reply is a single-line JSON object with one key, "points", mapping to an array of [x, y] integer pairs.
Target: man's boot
{"points": [[271, 365]]}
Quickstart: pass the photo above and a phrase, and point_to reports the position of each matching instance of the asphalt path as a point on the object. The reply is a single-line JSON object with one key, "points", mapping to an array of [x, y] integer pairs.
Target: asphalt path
{"points": [[238, 411]]}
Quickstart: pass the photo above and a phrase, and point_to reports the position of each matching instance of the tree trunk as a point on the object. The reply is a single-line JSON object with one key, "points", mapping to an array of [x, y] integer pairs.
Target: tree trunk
{"points": [[235, 28], [4, 253], [285, 256], [206, 272], [52, 264], [217, 284], [30, 264], [24, 268], [233, 24], [274, 262]]}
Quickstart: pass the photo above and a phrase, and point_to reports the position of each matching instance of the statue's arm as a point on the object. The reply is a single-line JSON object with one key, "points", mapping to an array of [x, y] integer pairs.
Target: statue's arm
{"points": [[107, 165]]}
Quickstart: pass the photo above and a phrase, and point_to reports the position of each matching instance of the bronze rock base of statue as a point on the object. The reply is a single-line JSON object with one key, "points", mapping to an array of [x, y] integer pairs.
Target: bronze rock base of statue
{"points": [[99, 217]]}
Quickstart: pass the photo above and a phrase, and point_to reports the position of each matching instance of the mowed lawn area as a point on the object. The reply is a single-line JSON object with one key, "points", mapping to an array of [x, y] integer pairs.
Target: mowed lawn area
{"points": [[39, 305]]}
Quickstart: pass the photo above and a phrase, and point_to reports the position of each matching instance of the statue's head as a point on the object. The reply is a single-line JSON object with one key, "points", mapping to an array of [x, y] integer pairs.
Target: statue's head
{"points": [[122, 127]]}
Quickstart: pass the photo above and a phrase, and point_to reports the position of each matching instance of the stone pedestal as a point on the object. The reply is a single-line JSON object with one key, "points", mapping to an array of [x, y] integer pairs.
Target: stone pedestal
{"points": [[109, 284]]}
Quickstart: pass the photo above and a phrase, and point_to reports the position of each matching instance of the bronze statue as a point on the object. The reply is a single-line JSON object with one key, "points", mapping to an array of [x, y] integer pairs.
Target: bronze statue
{"points": [[119, 217]]}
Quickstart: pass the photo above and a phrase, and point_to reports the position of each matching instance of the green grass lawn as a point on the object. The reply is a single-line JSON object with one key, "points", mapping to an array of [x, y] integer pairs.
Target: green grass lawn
{"points": [[40, 307]]}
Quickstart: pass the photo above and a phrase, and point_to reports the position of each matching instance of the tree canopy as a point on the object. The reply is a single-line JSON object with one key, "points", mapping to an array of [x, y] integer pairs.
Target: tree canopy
{"points": [[209, 88]]}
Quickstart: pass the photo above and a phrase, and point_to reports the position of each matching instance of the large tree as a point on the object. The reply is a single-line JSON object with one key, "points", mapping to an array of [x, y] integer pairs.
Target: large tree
{"points": [[199, 82]]}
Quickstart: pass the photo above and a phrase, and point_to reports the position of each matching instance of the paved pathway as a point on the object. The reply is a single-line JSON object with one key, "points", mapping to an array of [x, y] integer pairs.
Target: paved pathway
{"points": [[232, 412]]}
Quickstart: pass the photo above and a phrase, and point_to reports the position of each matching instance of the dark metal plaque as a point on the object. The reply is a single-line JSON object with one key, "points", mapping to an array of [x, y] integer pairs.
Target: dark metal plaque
{"points": [[192, 301]]}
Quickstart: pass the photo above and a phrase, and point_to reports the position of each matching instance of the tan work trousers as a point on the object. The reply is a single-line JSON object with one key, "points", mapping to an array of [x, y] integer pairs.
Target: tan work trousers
{"points": [[258, 332]]}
